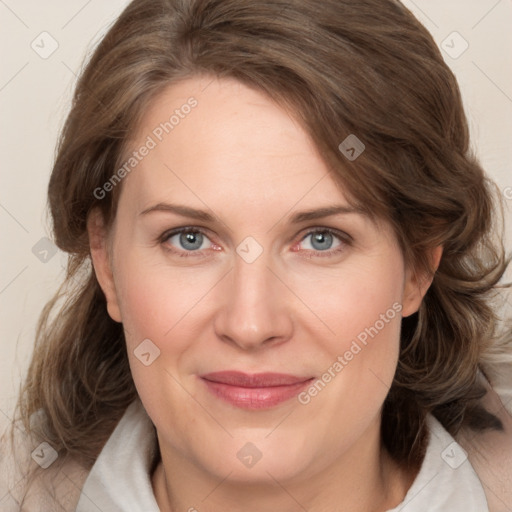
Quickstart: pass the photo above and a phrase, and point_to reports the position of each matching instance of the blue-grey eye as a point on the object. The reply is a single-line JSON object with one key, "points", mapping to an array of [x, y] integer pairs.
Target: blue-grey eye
{"points": [[189, 240], [320, 241]]}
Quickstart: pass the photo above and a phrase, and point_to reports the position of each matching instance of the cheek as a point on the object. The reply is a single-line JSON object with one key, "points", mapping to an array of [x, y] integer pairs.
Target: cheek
{"points": [[370, 326], [146, 309], [358, 371], [361, 301], [362, 309], [155, 304], [364, 353], [154, 297], [172, 308]]}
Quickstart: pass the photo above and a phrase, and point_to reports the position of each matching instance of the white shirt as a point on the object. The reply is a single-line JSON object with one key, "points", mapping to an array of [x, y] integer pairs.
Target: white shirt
{"points": [[120, 480]]}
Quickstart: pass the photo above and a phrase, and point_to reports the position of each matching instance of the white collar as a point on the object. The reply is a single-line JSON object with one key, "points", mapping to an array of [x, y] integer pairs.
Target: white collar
{"points": [[446, 480], [119, 481]]}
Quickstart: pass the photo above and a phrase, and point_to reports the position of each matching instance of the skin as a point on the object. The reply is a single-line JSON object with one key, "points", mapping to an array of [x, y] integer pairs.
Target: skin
{"points": [[295, 309]]}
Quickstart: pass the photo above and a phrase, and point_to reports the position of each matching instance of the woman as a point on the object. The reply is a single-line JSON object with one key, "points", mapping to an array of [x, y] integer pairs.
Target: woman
{"points": [[281, 276]]}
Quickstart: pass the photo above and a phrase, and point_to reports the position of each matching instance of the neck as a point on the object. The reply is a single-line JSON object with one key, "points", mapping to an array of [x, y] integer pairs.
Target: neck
{"points": [[363, 479]]}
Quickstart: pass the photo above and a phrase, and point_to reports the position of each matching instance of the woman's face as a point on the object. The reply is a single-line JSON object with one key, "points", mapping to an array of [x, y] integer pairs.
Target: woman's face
{"points": [[262, 313]]}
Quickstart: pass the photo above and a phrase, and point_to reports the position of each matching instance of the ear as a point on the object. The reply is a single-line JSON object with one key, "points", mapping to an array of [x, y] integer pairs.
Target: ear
{"points": [[100, 255], [417, 284]]}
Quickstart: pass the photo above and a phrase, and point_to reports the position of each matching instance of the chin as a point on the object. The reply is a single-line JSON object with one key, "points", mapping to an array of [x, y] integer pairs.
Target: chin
{"points": [[260, 460]]}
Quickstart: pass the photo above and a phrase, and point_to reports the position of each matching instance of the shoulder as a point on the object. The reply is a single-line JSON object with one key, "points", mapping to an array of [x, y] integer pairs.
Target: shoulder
{"points": [[34, 477], [490, 452]]}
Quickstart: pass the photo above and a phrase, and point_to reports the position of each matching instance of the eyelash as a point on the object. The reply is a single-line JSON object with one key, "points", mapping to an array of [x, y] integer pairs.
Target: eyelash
{"points": [[344, 238], [182, 254]]}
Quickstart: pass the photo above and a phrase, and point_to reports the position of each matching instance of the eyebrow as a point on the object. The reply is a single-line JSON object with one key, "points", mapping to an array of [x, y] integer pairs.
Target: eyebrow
{"points": [[304, 216], [184, 211], [328, 211]]}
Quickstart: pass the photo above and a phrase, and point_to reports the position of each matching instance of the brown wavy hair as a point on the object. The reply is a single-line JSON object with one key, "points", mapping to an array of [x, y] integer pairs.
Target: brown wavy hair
{"points": [[341, 67]]}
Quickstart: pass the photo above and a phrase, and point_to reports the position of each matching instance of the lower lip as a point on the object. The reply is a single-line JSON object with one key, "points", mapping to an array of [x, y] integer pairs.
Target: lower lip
{"points": [[255, 398]]}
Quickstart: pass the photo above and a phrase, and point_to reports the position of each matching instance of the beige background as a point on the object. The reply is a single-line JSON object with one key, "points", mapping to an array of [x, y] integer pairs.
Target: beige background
{"points": [[34, 98]]}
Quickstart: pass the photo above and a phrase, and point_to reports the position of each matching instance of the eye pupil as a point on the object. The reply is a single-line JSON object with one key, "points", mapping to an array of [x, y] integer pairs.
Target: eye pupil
{"points": [[191, 240], [321, 241]]}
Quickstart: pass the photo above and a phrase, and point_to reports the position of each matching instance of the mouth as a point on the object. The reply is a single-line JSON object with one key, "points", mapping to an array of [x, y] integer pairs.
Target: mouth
{"points": [[254, 391]]}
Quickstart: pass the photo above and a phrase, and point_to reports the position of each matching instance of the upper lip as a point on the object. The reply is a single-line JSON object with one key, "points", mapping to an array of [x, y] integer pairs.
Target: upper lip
{"points": [[254, 380]]}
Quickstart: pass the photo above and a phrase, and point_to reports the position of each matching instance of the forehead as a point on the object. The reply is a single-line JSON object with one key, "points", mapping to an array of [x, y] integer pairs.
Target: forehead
{"points": [[218, 141]]}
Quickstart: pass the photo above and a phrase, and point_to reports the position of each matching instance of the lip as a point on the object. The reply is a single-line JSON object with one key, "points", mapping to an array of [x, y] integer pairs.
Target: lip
{"points": [[254, 391]]}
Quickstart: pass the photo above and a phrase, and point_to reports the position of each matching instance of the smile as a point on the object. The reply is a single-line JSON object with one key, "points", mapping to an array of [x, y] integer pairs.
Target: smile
{"points": [[256, 391]]}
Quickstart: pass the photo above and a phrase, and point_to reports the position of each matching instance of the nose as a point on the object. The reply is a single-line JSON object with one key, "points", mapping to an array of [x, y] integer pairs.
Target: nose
{"points": [[255, 307]]}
